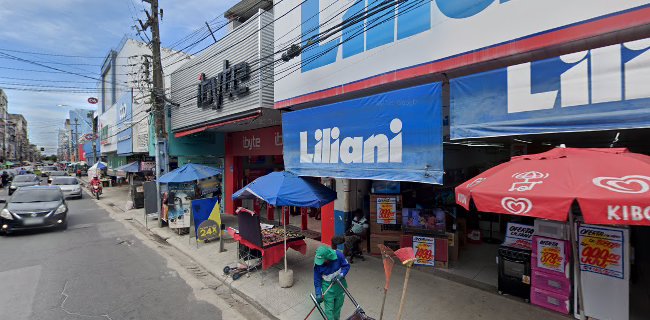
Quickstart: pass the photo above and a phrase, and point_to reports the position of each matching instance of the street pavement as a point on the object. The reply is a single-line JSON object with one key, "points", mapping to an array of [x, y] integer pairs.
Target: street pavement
{"points": [[97, 269]]}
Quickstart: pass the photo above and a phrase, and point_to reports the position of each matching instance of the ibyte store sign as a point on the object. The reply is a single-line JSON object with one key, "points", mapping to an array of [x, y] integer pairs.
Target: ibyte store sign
{"points": [[259, 142]]}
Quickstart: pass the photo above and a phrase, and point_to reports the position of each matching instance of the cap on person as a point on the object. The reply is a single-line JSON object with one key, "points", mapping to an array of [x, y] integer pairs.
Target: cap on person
{"points": [[323, 254]]}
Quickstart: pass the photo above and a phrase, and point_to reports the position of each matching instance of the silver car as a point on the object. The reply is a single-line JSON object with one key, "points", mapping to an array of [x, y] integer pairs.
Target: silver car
{"points": [[69, 185]]}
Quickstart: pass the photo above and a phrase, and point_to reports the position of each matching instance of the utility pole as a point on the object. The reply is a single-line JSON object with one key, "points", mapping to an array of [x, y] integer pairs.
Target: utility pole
{"points": [[157, 96]]}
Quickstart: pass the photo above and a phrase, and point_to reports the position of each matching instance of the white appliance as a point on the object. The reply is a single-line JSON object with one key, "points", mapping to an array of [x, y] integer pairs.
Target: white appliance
{"points": [[604, 254]]}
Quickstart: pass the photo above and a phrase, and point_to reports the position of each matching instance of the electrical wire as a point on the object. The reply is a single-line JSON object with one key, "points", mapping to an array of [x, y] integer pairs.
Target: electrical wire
{"points": [[361, 30]]}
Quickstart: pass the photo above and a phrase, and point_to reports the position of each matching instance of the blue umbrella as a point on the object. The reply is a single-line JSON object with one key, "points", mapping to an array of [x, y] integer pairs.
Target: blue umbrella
{"points": [[287, 189], [190, 172]]}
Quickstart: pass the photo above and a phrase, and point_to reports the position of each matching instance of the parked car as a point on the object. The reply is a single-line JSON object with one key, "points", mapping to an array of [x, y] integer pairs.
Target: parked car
{"points": [[56, 174], [69, 186], [33, 208], [45, 170], [24, 180]]}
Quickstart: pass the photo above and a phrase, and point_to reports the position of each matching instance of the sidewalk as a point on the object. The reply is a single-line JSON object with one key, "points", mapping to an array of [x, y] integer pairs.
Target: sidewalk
{"points": [[428, 297]]}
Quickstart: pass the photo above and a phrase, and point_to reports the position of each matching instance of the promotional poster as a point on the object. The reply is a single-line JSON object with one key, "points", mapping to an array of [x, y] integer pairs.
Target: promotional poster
{"points": [[179, 200], [425, 251], [387, 210], [601, 250], [207, 218]]}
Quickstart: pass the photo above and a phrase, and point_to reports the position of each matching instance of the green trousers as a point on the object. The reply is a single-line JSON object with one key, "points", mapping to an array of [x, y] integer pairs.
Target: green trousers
{"points": [[333, 299]]}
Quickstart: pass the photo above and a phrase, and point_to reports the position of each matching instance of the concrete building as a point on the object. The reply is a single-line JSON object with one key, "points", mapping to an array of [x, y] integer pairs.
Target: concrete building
{"points": [[125, 100]]}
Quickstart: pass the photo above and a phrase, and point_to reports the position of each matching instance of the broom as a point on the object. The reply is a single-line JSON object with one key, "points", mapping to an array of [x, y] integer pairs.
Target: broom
{"points": [[386, 255], [407, 257]]}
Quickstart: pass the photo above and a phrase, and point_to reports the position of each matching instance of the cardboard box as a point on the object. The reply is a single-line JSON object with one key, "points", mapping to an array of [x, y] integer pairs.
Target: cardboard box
{"points": [[391, 241]]}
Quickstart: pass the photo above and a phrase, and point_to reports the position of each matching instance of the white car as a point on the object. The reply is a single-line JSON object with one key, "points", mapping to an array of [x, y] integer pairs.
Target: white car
{"points": [[69, 185]]}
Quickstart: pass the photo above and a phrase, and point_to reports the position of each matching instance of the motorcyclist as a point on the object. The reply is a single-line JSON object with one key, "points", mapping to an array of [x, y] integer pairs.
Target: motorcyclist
{"points": [[96, 182]]}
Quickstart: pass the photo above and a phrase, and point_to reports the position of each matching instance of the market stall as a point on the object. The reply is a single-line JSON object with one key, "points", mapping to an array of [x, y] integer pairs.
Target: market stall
{"points": [[182, 185], [269, 241], [279, 189], [582, 202]]}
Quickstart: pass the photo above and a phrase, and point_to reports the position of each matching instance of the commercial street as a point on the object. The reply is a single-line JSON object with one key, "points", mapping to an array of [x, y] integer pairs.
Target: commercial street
{"points": [[99, 269]]}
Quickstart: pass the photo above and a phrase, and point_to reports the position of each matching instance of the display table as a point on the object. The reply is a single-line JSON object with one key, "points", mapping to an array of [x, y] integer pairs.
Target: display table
{"points": [[272, 252]]}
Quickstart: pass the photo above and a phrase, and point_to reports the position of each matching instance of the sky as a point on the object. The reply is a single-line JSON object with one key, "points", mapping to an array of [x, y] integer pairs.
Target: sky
{"points": [[86, 29]]}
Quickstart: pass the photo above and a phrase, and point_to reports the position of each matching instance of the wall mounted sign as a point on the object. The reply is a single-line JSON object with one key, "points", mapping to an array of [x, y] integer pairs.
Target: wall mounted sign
{"points": [[227, 83], [393, 136], [599, 89], [258, 142]]}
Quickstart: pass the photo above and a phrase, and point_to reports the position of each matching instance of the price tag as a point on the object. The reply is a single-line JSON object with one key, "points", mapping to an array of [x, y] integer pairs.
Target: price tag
{"points": [[386, 210], [425, 250], [551, 254], [601, 250]]}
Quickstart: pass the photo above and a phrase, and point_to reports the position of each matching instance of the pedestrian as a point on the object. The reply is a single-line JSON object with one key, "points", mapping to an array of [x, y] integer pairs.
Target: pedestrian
{"points": [[5, 178], [330, 265], [22, 171]]}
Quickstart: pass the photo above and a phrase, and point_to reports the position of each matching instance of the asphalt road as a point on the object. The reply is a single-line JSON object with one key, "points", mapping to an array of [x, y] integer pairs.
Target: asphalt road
{"points": [[97, 269]]}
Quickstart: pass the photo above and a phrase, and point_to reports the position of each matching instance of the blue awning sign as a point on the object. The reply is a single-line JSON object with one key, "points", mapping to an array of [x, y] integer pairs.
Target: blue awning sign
{"points": [[600, 89], [390, 136]]}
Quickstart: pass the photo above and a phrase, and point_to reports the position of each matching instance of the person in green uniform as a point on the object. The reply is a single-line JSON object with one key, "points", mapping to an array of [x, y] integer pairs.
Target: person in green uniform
{"points": [[329, 265]]}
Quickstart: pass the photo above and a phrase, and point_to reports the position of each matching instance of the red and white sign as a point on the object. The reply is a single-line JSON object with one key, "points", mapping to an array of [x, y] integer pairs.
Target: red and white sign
{"points": [[259, 142], [551, 254], [93, 100], [387, 210], [601, 250], [425, 250]]}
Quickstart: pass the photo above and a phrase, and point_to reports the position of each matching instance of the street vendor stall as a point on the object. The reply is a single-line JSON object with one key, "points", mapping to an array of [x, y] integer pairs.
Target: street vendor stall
{"points": [[281, 189], [181, 186], [268, 240], [595, 188]]}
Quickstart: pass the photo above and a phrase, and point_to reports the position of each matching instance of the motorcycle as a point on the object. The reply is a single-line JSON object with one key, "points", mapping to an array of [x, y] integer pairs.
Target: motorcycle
{"points": [[95, 190]]}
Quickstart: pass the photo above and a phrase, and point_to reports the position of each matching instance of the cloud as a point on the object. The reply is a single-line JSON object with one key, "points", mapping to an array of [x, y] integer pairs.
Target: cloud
{"points": [[78, 27]]}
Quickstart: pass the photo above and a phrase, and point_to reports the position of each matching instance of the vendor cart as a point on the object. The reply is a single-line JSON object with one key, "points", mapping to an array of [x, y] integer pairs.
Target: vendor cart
{"points": [[267, 245]]}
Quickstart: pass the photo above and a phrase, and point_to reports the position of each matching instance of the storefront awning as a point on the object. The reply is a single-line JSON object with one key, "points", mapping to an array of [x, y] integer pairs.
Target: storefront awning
{"points": [[600, 89], [130, 167], [395, 136]]}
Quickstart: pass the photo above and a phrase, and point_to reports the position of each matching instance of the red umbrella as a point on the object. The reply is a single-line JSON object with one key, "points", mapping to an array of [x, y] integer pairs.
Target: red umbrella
{"points": [[612, 186]]}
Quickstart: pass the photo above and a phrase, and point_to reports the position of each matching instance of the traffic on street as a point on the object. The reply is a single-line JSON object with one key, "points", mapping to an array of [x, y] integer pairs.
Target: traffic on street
{"points": [[321, 159]]}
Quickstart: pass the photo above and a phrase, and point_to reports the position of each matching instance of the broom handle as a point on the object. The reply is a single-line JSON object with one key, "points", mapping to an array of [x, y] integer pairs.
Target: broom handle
{"points": [[401, 302], [383, 303], [314, 307]]}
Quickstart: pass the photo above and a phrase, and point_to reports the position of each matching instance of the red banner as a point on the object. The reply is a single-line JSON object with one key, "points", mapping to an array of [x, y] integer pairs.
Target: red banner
{"points": [[259, 142]]}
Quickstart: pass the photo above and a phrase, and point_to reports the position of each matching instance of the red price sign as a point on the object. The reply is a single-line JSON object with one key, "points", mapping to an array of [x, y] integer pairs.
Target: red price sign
{"points": [[386, 210], [601, 250], [551, 254], [425, 250]]}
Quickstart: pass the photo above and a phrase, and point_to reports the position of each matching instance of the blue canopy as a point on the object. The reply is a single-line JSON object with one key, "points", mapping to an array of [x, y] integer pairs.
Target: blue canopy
{"points": [[130, 167], [287, 189], [190, 172]]}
